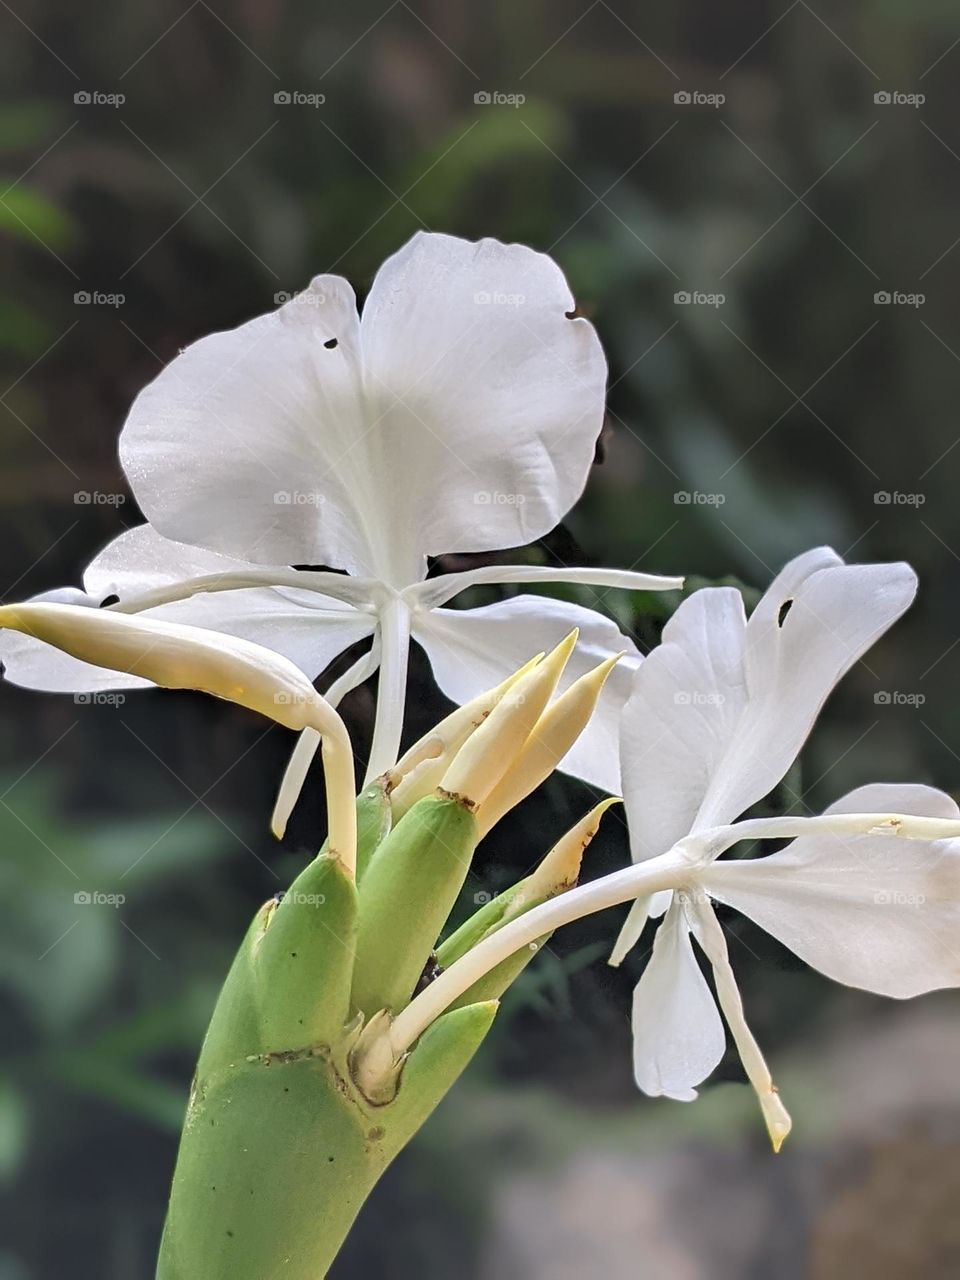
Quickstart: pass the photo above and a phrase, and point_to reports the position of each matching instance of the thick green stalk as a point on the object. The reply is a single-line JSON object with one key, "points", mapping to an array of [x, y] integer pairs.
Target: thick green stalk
{"points": [[280, 1152], [280, 1147]]}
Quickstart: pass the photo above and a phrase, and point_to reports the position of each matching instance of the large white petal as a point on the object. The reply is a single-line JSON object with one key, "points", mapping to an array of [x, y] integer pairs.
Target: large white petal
{"points": [[140, 559], [472, 650], [722, 707], [488, 398], [814, 622], [678, 1036], [309, 629], [877, 912], [252, 442], [679, 721]]}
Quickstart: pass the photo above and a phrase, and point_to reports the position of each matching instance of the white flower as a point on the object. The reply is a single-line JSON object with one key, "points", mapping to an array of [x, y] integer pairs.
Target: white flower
{"points": [[460, 414], [718, 714]]}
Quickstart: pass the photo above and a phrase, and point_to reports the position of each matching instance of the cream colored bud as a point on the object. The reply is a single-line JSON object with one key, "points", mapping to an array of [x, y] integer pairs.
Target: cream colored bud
{"points": [[419, 771], [550, 739], [492, 748], [560, 869], [176, 656]]}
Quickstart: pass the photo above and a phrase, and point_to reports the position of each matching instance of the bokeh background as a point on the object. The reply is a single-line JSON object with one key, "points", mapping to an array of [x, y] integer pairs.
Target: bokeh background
{"points": [[789, 166]]}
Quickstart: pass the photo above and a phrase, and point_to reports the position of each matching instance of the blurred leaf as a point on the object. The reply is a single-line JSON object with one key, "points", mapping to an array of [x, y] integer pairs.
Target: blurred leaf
{"points": [[14, 1128], [22, 124], [29, 216]]}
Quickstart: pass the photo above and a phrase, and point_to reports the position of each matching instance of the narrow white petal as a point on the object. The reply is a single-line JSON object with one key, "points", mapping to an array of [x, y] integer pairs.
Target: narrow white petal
{"points": [[437, 591], [294, 777], [308, 744], [876, 912], [631, 931], [678, 1036], [471, 650], [710, 936]]}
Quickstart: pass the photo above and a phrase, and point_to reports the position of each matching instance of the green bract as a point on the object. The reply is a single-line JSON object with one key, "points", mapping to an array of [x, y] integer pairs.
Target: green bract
{"points": [[280, 1146]]}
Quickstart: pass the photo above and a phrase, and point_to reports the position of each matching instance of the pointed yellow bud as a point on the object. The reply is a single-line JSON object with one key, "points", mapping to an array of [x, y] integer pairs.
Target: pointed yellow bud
{"points": [[560, 869], [420, 770], [493, 747], [551, 738], [182, 657]]}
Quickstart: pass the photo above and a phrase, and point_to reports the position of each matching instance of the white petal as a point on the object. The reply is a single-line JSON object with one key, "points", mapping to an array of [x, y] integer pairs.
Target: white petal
{"points": [[710, 935], [631, 930], [815, 621], [309, 629], [678, 1036], [438, 590], [681, 717], [876, 912], [721, 709], [250, 442], [472, 650], [488, 399], [140, 559]]}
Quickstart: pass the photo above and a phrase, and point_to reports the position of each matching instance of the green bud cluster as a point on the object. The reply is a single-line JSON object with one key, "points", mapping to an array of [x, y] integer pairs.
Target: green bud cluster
{"points": [[281, 1147]]}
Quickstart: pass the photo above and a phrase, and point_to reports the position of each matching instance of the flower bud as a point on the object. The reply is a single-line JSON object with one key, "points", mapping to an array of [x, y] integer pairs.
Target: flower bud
{"points": [[558, 871], [493, 748], [421, 769], [176, 656], [551, 738], [409, 888]]}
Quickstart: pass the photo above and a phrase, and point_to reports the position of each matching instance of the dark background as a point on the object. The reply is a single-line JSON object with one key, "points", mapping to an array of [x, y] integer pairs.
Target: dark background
{"points": [[785, 410]]}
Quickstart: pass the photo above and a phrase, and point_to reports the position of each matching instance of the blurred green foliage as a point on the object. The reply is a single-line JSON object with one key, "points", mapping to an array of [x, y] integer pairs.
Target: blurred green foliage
{"points": [[797, 400]]}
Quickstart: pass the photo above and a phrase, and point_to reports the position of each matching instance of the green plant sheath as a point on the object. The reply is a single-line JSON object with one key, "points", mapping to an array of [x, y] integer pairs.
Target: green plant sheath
{"points": [[280, 1148], [279, 1154]]}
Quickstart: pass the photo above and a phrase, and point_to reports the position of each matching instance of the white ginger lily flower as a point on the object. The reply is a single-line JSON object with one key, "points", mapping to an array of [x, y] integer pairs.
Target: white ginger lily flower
{"points": [[718, 714], [459, 414]]}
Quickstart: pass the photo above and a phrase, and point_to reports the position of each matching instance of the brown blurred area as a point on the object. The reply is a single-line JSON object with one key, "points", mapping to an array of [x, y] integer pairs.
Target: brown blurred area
{"points": [[761, 218]]}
